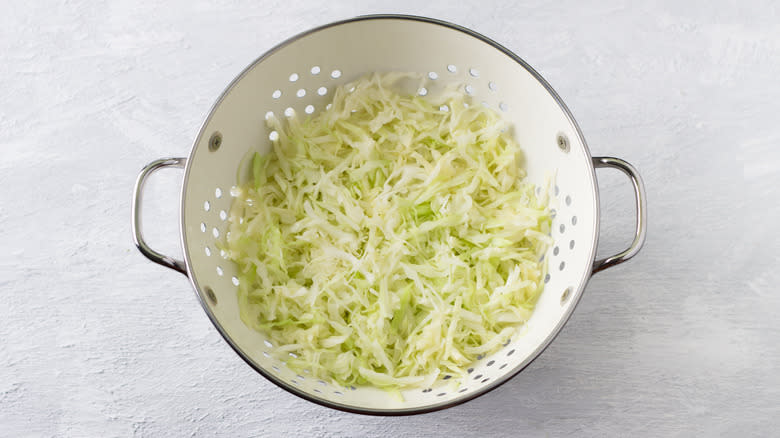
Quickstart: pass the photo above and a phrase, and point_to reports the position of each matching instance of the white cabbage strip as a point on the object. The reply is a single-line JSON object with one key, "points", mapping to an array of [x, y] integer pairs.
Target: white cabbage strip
{"points": [[391, 239]]}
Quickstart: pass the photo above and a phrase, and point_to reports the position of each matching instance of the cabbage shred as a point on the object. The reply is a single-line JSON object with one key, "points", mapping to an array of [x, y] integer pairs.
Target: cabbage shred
{"points": [[391, 239]]}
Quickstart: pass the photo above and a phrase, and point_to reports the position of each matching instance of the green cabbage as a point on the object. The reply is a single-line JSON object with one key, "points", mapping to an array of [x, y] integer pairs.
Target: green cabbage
{"points": [[391, 239]]}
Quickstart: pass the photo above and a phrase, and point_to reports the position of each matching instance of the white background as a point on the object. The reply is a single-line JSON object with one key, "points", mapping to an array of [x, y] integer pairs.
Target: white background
{"points": [[97, 341]]}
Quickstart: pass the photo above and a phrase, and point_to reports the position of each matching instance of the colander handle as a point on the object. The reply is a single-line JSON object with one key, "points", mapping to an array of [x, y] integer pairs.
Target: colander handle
{"points": [[138, 238], [641, 212]]}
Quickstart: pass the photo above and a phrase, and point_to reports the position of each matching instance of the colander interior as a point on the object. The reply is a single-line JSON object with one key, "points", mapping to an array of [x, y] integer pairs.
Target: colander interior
{"points": [[300, 76]]}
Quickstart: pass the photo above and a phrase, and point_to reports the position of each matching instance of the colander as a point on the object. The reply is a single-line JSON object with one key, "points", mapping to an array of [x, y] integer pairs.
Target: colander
{"points": [[299, 75]]}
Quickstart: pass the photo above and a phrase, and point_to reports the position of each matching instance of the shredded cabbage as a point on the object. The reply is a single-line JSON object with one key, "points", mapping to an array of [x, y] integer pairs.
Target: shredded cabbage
{"points": [[391, 239]]}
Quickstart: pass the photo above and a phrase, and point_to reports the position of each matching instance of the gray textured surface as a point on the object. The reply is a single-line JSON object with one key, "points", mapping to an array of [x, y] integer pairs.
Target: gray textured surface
{"points": [[96, 341]]}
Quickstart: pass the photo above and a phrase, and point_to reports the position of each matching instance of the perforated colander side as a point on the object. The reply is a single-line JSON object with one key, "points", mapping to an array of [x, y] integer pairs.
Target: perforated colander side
{"points": [[298, 76]]}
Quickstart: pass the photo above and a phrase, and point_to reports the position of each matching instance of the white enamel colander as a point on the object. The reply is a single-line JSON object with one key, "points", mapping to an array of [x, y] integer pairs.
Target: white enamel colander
{"points": [[300, 75]]}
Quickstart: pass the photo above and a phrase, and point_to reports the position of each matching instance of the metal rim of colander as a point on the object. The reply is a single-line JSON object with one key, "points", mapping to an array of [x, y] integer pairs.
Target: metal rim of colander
{"points": [[404, 411]]}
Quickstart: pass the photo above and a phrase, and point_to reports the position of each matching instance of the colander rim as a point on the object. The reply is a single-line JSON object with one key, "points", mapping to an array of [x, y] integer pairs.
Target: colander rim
{"points": [[575, 298]]}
